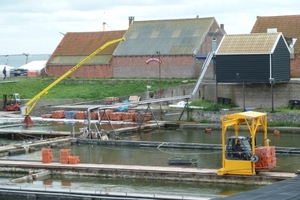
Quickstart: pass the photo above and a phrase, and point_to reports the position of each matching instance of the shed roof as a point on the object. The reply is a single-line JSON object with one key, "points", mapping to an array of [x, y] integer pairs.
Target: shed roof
{"points": [[170, 37], [75, 46], [289, 25], [256, 43]]}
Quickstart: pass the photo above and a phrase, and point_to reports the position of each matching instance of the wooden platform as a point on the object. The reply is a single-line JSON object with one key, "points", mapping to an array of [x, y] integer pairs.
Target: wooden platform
{"points": [[35, 132], [145, 172]]}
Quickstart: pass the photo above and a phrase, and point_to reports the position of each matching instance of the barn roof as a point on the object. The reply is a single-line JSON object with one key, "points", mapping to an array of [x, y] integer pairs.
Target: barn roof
{"points": [[255, 43], [289, 25], [170, 37], [75, 46]]}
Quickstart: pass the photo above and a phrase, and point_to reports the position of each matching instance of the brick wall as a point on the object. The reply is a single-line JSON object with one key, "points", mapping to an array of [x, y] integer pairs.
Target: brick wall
{"points": [[256, 95], [86, 71], [171, 67], [295, 66]]}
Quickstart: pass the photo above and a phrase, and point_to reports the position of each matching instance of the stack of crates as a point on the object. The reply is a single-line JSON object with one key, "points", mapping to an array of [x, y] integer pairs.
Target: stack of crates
{"points": [[104, 115], [267, 158], [47, 155], [80, 115], [73, 159], [64, 156], [111, 100], [58, 114]]}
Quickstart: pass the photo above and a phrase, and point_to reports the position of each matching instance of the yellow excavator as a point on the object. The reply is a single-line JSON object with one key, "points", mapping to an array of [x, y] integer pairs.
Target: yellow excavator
{"points": [[243, 153], [26, 110]]}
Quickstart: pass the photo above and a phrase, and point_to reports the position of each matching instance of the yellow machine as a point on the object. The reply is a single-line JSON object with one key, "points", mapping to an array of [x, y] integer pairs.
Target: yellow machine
{"points": [[31, 103], [252, 156]]}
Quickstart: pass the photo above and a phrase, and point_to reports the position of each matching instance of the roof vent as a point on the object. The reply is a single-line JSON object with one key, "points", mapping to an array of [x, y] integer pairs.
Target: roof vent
{"points": [[272, 30]]}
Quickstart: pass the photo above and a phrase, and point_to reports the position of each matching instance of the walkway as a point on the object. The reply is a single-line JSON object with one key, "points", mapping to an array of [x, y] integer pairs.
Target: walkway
{"points": [[283, 190], [145, 172]]}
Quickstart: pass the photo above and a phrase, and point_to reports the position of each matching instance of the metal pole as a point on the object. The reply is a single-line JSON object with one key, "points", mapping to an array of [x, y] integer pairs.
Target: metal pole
{"points": [[244, 101], [159, 71], [216, 97], [272, 82], [159, 68]]}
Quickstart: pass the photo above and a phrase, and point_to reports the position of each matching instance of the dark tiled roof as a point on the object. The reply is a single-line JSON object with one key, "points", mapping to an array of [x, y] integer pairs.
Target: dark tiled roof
{"points": [[289, 25], [170, 37]]}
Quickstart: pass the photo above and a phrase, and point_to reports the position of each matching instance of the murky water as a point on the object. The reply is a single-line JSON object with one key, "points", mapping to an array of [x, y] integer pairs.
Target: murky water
{"points": [[178, 188], [167, 135], [154, 157]]}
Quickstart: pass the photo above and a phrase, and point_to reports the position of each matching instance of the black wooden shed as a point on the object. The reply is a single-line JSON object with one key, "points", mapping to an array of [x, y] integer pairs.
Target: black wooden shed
{"points": [[254, 58]]}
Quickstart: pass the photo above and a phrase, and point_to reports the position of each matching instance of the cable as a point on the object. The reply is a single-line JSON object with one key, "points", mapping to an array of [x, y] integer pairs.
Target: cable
{"points": [[158, 147]]}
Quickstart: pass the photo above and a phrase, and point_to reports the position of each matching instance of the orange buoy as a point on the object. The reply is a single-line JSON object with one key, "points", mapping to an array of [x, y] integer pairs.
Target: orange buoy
{"points": [[276, 132]]}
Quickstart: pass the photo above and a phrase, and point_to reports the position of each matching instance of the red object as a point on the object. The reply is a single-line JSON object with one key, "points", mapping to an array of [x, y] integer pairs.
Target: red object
{"points": [[58, 114], [267, 158], [28, 121], [47, 155], [74, 159]]}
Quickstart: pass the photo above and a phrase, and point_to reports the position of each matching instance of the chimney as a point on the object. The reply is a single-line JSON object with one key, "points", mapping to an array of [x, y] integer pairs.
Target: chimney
{"points": [[222, 27], [131, 19]]}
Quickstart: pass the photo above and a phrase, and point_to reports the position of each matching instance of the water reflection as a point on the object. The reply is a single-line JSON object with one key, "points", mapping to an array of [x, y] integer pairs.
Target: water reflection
{"points": [[179, 188]]}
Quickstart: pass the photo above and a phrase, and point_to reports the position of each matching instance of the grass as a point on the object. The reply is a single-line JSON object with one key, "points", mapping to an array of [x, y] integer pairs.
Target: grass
{"points": [[95, 89], [284, 124], [209, 105], [79, 88]]}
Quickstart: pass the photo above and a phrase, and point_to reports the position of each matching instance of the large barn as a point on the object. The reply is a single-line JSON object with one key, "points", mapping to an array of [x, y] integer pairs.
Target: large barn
{"points": [[173, 45], [75, 46], [158, 48]]}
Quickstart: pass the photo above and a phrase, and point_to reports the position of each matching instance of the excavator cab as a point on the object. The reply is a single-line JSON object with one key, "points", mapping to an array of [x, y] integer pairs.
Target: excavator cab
{"points": [[240, 154], [11, 102]]}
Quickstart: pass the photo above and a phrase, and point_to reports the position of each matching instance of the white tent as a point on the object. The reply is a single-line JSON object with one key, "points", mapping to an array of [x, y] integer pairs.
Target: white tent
{"points": [[37, 65], [8, 68]]}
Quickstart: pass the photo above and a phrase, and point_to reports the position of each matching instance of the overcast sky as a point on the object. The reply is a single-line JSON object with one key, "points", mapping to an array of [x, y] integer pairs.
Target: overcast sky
{"points": [[35, 26]]}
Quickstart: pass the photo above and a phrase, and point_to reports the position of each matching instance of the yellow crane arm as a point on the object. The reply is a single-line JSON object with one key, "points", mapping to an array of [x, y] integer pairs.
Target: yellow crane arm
{"points": [[31, 103]]}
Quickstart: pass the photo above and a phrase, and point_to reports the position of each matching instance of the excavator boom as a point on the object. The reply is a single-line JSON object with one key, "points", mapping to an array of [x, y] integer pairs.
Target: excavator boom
{"points": [[31, 103]]}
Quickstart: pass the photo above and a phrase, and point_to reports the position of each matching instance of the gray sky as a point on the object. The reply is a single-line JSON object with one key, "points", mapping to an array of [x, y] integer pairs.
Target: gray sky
{"points": [[34, 26]]}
